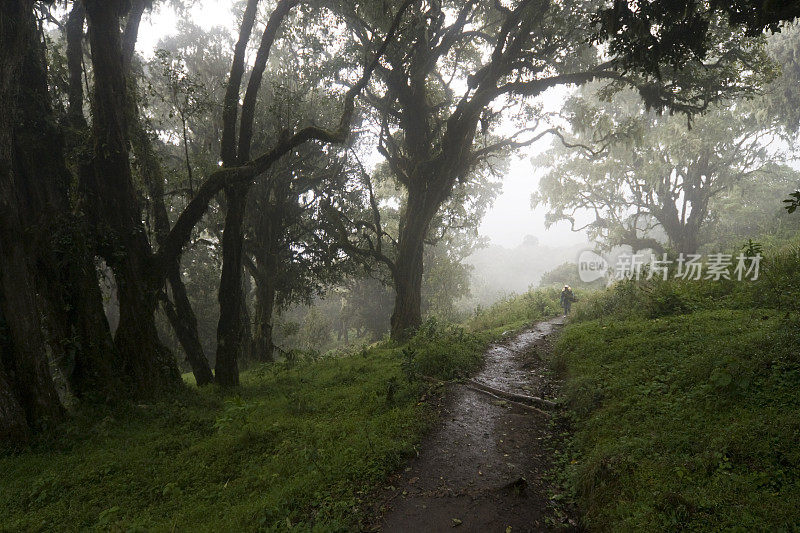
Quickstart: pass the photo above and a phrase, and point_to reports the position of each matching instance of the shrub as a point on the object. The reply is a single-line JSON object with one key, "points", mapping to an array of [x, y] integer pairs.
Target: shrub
{"points": [[443, 351], [517, 311]]}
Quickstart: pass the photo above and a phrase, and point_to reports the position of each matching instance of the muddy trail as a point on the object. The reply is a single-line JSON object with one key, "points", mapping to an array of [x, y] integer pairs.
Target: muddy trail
{"points": [[483, 468]]}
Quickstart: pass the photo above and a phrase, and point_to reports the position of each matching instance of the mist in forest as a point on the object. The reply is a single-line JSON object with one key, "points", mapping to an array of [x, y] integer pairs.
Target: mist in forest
{"points": [[268, 265]]}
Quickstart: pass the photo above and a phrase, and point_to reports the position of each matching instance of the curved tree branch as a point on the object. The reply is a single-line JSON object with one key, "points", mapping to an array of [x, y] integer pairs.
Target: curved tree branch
{"points": [[194, 211]]}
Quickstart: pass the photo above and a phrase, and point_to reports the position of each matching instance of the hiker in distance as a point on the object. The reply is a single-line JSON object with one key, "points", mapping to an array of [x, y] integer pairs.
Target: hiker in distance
{"points": [[567, 297]]}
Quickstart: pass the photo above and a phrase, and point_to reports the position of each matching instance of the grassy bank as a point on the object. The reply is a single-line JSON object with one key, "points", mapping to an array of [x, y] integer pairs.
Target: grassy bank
{"points": [[295, 447], [684, 404], [517, 311], [299, 446]]}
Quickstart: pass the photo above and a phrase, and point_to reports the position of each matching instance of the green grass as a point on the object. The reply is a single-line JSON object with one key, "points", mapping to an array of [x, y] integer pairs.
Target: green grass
{"points": [[684, 403], [515, 312], [301, 445], [298, 447]]}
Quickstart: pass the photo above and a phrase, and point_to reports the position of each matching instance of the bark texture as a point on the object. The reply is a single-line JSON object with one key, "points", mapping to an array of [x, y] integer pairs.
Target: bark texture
{"points": [[27, 395], [146, 363]]}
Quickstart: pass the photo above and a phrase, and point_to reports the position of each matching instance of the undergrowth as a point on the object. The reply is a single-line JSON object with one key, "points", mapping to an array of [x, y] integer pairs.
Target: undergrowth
{"points": [[514, 312]]}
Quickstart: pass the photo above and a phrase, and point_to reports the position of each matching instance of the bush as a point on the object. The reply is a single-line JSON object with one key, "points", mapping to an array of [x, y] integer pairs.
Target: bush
{"points": [[443, 351], [518, 311], [777, 287], [567, 274]]}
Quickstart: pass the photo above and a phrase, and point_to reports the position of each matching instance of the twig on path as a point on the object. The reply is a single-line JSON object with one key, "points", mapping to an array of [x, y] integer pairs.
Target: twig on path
{"points": [[512, 402], [547, 404], [522, 399]]}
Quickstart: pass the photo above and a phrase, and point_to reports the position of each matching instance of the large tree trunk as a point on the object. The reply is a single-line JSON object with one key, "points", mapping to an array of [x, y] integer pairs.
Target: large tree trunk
{"points": [[229, 328], [682, 235], [407, 275], [268, 227], [246, 336], [179, 311], [28, 384], [47, 277], [13, 426], [66, 264], [27, 394], [264, 348], [233, 328], [80, 341], [685, 242], [147, 364], [265, 275]]}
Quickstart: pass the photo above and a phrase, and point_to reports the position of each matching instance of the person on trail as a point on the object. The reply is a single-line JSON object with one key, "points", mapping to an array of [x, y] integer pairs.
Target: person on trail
{"points": [[567, 297]]}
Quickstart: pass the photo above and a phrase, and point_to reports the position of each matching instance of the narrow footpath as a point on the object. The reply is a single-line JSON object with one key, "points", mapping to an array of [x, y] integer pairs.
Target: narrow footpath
{"points": [[484, 468]]}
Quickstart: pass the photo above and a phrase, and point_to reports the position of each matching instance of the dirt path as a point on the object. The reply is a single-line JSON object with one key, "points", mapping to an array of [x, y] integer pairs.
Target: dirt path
{"points": [[482, 469]]}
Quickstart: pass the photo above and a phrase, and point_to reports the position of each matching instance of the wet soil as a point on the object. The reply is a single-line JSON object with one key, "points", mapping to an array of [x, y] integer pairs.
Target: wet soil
{"points": [[484, 468]]}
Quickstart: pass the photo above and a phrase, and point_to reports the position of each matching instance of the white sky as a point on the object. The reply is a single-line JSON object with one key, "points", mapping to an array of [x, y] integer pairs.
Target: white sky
{"points": [[511, 216]]}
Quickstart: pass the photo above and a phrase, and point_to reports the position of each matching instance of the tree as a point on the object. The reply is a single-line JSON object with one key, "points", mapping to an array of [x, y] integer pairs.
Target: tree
{"points": [[50, 300], [27, 394], [114, 211], [106, 197], [782, 99], [290, 259], [177, 91], [751, 210], [50, 296], [461, 65], [229, 331], [663, 38], [664, 178], [237, 170]]}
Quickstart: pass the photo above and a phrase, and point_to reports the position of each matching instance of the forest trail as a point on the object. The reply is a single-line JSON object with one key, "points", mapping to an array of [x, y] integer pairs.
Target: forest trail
{"points": [[483, 469]]}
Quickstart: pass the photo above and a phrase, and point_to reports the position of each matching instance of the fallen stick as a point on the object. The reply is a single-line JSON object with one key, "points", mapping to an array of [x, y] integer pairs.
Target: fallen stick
{"points": [[512, 402], [547, 404], [503, 395]]}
